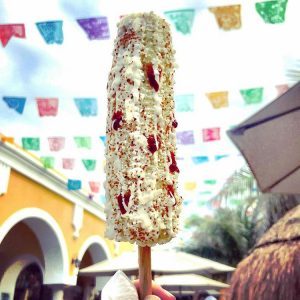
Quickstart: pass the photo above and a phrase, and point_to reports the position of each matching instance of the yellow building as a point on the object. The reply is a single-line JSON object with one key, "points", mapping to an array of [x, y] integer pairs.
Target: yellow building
{"points": [[46, 232]]}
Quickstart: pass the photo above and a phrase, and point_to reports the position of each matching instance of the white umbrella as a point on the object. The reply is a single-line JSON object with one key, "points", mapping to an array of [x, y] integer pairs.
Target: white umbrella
{"points": [[189, 282], [163, 262]]}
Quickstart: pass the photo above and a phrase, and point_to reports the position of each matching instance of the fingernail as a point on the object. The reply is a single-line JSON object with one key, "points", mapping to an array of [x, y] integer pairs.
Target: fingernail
{"points": [[152, 297]]}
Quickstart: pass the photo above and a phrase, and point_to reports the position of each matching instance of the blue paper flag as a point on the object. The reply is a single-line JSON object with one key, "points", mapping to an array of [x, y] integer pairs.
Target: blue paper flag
{"points": [[103, 139], [218, 157], [87, 106], [74, 185], [197, 160], [184, 103], [51, 31], [16, 103]]}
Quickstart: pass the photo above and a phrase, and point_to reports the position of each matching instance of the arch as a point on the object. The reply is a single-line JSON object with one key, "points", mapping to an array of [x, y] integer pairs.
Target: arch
{"points": [[51, 239], [9, 278], [97, 247]]}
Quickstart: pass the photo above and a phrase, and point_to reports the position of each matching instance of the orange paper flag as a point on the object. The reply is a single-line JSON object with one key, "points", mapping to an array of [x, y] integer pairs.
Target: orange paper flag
{"points": [[227, 17], [218, 99], [7, 139]]}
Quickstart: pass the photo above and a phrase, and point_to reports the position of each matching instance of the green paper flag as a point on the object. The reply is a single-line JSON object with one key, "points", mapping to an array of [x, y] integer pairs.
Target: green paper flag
{"points": [[182, 19], [210, 181], [30, 143], [90, 164], [252, 96], [272, 12], [83, 142], [48, 162]]}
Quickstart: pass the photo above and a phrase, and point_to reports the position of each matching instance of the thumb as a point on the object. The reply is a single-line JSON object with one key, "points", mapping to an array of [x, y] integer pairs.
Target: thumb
{"points": [[152, 297]]}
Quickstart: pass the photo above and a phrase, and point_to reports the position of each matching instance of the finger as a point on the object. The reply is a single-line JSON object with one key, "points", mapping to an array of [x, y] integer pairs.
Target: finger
{"points": [[157, 290], [152, 297], [161, 293]]}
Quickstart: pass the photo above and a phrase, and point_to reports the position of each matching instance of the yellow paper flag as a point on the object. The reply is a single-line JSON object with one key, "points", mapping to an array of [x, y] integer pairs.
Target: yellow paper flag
{"points": [[227, 17], [218, 99], [190, 185]]}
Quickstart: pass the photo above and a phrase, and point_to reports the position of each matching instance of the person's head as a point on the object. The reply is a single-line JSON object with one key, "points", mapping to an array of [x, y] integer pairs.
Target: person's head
{"points": [[201, 295]]}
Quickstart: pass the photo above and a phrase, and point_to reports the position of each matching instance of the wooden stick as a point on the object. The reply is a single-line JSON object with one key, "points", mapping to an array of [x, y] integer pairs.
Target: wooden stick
{"points": [[145, 275]]}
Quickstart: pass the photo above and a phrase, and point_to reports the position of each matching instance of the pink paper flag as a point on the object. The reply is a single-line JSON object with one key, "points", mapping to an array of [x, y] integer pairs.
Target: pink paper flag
{"points": [[94, 186], [47, 106], [68, 163], [56, 143], [7, 31], [281, 89], [211, 134]]}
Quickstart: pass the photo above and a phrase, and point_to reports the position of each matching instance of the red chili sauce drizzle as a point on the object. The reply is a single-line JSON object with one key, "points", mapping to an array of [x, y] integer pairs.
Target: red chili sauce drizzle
{"points": [[152, 144], [117, 118], [173, 167], [126, 201], [151, 76]]}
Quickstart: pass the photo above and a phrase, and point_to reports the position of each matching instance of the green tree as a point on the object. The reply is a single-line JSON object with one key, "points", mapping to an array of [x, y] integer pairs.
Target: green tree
{"points": [[233, 230]]}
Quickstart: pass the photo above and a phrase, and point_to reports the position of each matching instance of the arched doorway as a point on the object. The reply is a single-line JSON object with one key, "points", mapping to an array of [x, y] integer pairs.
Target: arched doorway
{"points": [[94, 250], [29, 283], [32, 233]]}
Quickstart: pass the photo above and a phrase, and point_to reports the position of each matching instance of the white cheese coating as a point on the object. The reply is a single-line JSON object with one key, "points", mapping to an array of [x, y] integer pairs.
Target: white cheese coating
{"points": [[142, 205]]}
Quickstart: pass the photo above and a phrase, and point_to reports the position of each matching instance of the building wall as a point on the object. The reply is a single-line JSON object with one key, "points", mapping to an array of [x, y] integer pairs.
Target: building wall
{"points": [[23, 193]]}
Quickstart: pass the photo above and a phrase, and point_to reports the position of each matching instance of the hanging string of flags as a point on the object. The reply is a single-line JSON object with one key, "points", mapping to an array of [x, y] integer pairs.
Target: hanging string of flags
{"points": [[88, 107], [97, 28], [57, 144]]}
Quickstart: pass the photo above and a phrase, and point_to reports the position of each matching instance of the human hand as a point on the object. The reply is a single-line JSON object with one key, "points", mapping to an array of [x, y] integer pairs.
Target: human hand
{"points": [[158, 292]]}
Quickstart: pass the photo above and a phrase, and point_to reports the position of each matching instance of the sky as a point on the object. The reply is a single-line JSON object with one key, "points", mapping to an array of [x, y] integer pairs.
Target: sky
{"points": [[209, 59]]}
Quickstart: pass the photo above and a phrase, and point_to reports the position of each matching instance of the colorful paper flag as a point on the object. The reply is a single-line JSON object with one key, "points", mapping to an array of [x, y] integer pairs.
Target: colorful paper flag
{"points": [[31, 143], [227, 17], [218, 99], [74, 185], [86, 106], [47, 106], [272, 12], [96, 28], [7, 139], [218, 157], [210, 181], [103, 139], [68, 163], [102, 199], [216, 204], [205, 193], [252, 96], [90, 164], [184, 103], [281, 89], [48, 162], [56, 143], [197, 160], [211, 134], [94, 186], [51, 31], [16, 103], [83, 142], [190, 186], [185, 137], [182, 19], [7, 31]]}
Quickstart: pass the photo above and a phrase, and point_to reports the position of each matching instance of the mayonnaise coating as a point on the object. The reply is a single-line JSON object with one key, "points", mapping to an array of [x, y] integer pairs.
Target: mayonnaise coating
{"points": [[142, 204]]}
